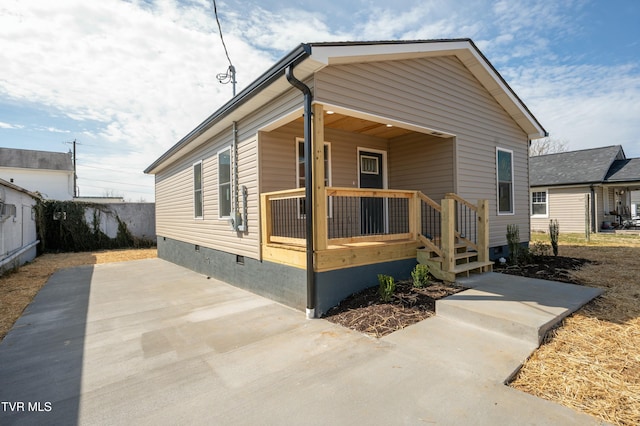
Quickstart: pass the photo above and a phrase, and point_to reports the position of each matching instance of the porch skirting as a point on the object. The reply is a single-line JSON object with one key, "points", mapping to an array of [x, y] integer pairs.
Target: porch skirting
{"points": [[282, 283], [334, 286]]}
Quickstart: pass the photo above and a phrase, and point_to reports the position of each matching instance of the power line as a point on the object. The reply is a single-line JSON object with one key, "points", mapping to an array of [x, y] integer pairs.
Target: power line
{"points": [[82, 166], [230, 75], [113, 181], [215, 11]]}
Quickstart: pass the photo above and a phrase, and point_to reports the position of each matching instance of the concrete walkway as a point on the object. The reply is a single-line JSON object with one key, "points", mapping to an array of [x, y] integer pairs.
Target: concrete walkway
{"points": [[148, 342]]}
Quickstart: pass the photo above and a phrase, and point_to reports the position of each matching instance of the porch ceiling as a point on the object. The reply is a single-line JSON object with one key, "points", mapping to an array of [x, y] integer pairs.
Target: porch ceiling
{"points": [[359, 125]]}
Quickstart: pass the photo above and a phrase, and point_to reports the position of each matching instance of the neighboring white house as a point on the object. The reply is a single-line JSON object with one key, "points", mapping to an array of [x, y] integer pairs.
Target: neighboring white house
{"points": [[48, 173], [18, 237]]}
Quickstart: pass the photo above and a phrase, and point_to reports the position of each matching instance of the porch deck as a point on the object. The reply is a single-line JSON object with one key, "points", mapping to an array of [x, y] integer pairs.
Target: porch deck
{"points": [[364, 227]]}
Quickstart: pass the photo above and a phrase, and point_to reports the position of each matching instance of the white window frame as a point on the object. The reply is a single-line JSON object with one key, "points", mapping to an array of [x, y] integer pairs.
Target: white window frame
{"points": [[229, 183], [513, 201], [198, 193], [327, 172], [545, 191]]}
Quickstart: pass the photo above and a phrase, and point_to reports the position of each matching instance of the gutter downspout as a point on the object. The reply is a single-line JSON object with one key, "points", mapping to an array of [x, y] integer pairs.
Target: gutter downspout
{"points": [[593, 209], [238, 220], [308, 187]]}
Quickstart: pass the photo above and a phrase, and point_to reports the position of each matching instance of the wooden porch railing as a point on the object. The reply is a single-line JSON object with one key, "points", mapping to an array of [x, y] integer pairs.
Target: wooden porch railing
{"points": [[358, 215]]}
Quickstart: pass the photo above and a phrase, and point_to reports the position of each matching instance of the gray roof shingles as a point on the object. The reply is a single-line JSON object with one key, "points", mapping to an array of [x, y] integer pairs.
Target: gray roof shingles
{"points": [[624, 170], [29, 159], [575, 167]]}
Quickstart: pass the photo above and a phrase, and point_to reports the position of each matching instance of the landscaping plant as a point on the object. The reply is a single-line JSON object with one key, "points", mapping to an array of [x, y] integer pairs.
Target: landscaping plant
{"points": [[513, 241], [387, 286], [420, 275], [554, 232], [539, 248]]}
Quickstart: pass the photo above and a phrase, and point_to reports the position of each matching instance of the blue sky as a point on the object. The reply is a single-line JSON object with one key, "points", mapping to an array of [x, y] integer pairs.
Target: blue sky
{"points": [[128, 79]]}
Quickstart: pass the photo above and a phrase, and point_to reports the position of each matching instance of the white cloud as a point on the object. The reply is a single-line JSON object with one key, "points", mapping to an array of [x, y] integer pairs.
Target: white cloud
{"points": [[137, 76], [586, 105], [52, 130], [4, 125]]}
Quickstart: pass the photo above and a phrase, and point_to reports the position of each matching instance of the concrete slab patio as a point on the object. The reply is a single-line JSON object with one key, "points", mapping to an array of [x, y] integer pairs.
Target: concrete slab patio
{"points": [[148, 342]]}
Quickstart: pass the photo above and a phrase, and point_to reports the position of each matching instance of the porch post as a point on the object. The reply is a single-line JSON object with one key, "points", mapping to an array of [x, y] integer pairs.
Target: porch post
{"points": [[414, 216], [483, 230], [319, 189], [448, 217]]}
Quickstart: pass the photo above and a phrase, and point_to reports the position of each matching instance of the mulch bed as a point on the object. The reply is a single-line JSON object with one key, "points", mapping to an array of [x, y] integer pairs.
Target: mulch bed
{"points": [[553, 268], [366, 313]]}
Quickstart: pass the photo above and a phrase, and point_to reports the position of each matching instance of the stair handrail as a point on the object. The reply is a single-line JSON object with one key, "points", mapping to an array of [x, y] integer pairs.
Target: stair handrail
{"points": [[429, 201], [453, 196]]}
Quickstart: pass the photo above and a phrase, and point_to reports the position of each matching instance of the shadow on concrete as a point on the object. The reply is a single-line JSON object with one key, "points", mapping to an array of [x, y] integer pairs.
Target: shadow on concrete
{"points": [[41, 357]]}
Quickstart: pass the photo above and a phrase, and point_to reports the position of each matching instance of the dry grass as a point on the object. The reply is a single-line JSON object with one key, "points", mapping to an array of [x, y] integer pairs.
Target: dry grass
{"points": [[18, 288], [592, 362]]}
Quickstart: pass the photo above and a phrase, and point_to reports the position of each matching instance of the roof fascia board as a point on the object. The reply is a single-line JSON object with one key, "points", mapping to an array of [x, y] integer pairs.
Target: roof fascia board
{"points": [[345, 53], [616, 182], [567, 185]]}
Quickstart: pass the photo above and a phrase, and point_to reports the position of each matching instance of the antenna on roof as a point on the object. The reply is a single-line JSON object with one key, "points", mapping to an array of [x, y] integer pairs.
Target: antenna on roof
{"points": [[230, 75]]}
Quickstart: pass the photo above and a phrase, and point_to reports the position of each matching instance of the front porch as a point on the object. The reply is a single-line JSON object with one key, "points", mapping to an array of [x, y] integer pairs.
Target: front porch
{"points": [[372, 226]]}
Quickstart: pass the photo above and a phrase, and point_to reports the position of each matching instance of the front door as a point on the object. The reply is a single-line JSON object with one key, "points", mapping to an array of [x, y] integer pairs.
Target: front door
{"points": [[372, 218]]}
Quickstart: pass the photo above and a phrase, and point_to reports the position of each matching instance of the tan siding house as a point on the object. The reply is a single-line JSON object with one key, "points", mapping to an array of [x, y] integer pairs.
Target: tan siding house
{"points": [[585, 190], [346, 160]]}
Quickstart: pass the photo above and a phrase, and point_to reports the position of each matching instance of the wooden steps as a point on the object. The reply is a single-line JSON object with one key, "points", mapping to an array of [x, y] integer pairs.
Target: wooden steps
{"points": [[466, 263]]}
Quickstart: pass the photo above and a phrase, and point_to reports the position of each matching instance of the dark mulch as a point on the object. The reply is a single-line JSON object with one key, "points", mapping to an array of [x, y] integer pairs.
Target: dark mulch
{"points": [[553, 268], [366, 313]]}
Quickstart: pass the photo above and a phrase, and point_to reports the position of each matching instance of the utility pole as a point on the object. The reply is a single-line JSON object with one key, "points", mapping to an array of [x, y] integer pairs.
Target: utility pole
{"points": [[75, 175]]}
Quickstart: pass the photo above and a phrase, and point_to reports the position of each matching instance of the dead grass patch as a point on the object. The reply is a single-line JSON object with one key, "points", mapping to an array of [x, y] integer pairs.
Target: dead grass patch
{"points": [[592, 362], [18, 288]]}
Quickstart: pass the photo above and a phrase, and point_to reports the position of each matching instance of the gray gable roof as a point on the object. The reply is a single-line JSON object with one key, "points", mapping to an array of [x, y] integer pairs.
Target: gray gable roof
{"points": [[29, 159], [624, 170], [574, 167]]}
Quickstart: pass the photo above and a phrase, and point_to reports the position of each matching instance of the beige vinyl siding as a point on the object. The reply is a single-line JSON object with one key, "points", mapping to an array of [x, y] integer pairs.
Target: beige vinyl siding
{"points": [[422, 162], [174, 201], [174, 185], [278, 156], [567, 206], [440, 93]]}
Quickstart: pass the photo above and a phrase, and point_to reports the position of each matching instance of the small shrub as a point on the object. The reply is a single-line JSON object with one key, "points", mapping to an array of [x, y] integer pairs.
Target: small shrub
{"points": [[554, 231], [538, 248], [513, 241], [420, 275], [387, 286]]}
